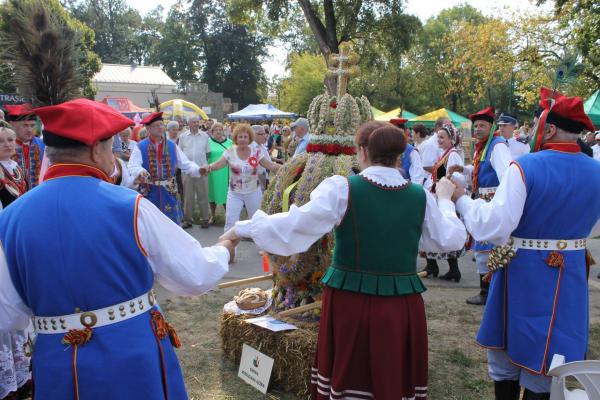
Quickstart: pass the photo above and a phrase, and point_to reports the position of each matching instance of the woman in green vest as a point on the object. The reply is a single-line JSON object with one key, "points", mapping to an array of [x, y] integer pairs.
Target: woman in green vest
{"points": [[373, 334], [218, 181]]}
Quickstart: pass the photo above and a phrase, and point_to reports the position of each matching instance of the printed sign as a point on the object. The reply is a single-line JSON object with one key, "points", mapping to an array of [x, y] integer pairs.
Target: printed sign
{"points": [[12, 98], [207, 110], [271, 323], [255, 368]]}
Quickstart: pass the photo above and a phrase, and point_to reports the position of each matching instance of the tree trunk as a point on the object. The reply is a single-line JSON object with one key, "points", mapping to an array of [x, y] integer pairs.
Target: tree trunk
{"points": [[325, 36]]}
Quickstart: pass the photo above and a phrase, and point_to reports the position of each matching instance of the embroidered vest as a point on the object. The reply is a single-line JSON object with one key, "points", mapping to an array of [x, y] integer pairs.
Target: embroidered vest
{"points": [[370, 256], [159, 166], [31, 164]]}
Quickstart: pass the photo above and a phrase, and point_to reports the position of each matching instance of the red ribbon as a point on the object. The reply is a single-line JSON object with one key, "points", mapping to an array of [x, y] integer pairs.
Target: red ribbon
{"points": [[65, 169], [253, 162], [564, 147]]}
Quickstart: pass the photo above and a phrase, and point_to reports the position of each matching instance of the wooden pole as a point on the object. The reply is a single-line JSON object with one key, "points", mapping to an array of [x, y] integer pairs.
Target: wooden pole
{"points": [[298, 310], [241, 282]]}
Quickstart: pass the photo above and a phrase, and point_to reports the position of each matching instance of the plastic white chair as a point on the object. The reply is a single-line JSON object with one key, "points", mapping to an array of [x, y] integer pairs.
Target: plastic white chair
{"points": [[586, 372]]}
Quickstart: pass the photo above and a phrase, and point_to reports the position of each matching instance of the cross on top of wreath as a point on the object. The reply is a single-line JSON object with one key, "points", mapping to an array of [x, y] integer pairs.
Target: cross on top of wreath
{"points": [[343, 66]]}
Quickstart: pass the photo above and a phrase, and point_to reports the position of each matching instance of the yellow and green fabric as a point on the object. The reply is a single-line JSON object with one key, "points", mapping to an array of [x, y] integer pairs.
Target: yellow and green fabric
{"points": [[429, 119]]}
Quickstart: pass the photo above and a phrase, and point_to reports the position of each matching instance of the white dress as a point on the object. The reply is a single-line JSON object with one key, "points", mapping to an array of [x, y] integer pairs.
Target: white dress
{"points": [[14, 363]]}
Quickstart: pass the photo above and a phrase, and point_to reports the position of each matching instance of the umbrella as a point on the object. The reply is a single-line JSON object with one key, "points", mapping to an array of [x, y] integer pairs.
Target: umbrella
{"points": [[592, 108], [182, 108], [376, 112], [260, 112], [395, 113], [429, 119]]}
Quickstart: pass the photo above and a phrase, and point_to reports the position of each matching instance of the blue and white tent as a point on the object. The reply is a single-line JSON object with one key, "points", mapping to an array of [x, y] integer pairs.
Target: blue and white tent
{"points": [[259, 112]]}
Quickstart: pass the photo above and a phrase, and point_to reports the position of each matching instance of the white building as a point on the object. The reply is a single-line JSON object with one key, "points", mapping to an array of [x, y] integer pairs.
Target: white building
{"points": [[134, 82]]}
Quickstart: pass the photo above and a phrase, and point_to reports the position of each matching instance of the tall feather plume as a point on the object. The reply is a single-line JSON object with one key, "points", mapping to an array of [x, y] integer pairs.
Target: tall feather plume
{"points": [[42, 51], [568, 68]]}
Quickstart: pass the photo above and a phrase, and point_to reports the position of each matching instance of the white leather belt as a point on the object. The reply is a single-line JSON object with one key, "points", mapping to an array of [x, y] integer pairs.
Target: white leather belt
{"points": [[546, 244], [165, 182], [97, 318], [487, 191]]}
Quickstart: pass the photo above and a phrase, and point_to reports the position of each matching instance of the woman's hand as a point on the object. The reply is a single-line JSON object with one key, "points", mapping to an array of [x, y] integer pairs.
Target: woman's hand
{"points": [[230, 235]]}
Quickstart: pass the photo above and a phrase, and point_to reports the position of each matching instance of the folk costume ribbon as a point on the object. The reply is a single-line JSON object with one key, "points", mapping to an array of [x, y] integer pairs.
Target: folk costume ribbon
{"points": [[480, 155], [14, 182], [538, 132], [443, 160]]}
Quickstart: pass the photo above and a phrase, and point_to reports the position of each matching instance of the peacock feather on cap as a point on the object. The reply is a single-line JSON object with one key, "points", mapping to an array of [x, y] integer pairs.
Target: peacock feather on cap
{"points": [[42, 50]]}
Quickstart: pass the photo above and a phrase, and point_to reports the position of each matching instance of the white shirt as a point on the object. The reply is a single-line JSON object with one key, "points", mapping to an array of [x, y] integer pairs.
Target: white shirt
{"points": [[517, 148], [596, 150], [243, 177], [429, 151], [500, 159], [183, 163], [126, 178], [178, 261], [454, 158], [416, 171], [496, 220], [302, 144], [296, 230], [195, 146]]}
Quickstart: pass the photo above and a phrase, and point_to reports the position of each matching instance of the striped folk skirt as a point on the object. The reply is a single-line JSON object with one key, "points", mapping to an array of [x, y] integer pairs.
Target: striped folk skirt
{"points": [[370, 347]]}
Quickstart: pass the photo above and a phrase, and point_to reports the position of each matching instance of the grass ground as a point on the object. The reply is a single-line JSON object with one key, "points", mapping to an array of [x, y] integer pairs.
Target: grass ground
{"points": [[457, 366]]}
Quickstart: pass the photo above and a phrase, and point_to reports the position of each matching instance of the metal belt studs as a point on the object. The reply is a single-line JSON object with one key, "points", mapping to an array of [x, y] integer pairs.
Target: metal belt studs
{"points": [[500, 256]]}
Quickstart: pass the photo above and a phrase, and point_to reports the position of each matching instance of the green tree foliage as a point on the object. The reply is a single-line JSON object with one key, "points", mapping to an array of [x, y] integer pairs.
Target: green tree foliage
{"points": [[330, 22], [583, 17], [465, 61], [88, 62], [177, 50], [304, 83], [115, 25], [231, 54], [148, 37]]}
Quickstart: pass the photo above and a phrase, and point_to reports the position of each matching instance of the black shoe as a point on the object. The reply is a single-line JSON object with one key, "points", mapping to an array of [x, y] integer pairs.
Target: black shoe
{"points": [[453, 273], [186, 225], [529, 395], [431, 268], [481, 298], [507, 390], [451, 276]]}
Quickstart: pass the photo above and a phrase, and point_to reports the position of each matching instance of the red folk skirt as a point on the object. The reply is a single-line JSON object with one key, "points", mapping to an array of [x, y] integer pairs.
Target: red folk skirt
{"points": [[370, 347]]}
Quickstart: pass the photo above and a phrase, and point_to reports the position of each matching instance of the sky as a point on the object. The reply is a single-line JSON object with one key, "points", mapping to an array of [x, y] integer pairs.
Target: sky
{"points": [[424, 9]]}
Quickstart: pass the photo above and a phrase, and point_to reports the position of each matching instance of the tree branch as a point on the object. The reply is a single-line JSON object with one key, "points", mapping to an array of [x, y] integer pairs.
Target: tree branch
{"points": [[316, 26], [330, 25]]}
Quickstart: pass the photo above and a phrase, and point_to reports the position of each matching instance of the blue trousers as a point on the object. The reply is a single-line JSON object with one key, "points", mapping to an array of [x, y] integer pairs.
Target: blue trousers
{"points": [[500, 368]]}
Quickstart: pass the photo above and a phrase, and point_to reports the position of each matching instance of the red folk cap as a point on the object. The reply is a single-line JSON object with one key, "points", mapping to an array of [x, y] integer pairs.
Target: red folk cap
{"points": [[155, 116], [81, 120], [20, 112], [398, 121], [547, 93], [567, 113], [487, 114]]}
